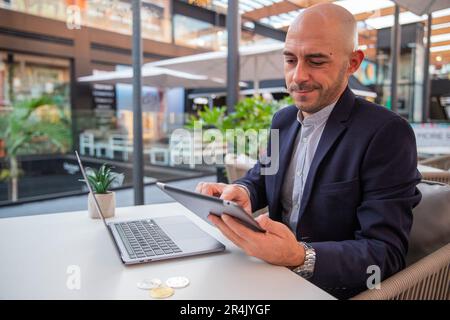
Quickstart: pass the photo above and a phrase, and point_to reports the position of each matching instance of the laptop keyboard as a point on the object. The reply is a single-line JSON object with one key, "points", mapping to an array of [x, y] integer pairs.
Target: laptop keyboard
{"points": [[145, 238]]}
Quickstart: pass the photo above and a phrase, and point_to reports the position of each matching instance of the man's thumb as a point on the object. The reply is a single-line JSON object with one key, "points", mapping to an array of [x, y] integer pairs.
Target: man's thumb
{"points": [[267, 224]]}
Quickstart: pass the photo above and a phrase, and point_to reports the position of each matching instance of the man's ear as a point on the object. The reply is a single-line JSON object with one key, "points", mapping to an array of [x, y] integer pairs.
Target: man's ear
{"points": [[356, 58]]}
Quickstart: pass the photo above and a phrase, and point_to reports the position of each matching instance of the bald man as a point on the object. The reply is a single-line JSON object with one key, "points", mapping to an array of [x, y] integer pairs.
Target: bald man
{"points": [[340, 204]]}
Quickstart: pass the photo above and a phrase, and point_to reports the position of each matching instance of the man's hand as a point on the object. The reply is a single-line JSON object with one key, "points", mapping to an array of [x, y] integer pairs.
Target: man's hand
{"points": [[277, 245], [230, 192]]}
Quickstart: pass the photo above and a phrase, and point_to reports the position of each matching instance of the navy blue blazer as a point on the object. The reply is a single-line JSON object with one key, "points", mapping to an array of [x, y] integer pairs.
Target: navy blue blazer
{"points": [[356, 209]]}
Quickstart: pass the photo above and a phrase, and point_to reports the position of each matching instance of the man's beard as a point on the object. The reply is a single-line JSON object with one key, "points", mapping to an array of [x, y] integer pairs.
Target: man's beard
{"points": [[325, 98]]}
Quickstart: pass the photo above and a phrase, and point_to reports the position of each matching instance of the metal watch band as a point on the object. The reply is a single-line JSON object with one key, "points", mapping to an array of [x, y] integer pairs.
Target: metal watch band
{"points": [[306, 270]]}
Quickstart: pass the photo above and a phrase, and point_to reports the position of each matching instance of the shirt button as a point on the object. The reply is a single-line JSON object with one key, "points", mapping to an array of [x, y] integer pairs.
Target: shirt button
{"points": [[299, 174], [305, 140]]}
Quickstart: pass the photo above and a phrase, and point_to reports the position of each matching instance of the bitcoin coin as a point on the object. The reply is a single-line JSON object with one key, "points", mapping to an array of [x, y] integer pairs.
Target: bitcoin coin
{"points": [[161, 292], [177, 282], [149, 284]]}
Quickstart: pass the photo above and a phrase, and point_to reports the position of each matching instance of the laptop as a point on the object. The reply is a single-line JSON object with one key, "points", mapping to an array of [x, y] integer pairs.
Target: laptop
{"points": [[155, 239]]}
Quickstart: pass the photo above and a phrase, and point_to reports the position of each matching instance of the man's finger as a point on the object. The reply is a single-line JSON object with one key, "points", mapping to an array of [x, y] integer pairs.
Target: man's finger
{"points": [[227, 232], [229, 193], [198, 188], [271, 226], [212, 189], [241, 230]]}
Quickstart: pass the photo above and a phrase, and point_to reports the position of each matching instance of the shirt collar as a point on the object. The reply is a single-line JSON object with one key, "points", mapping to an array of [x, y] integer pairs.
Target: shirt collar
{"points": [[316, 118]]}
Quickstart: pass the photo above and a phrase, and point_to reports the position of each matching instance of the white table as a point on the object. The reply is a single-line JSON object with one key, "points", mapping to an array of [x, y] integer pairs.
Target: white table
{"points": [[37, 251]]}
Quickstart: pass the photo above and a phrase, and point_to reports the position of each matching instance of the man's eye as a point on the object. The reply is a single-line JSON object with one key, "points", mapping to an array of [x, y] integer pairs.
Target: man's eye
{"points": [[290, 61], [317, 63]]}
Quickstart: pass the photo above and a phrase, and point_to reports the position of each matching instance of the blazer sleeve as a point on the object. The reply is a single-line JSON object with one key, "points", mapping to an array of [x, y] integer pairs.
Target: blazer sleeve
{"points": [[388, 177]]}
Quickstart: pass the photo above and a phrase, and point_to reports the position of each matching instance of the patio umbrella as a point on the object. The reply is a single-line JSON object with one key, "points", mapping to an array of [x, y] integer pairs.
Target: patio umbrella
{"points": [[423, 6], [156, 77], [259, 62]]}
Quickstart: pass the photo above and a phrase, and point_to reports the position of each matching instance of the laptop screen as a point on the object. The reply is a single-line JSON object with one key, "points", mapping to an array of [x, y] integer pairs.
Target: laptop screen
{"points": [[83, 172]]}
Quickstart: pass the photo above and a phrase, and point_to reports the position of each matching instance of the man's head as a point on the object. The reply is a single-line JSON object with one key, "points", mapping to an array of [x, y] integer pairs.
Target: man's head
{"points": [[320, 54]]}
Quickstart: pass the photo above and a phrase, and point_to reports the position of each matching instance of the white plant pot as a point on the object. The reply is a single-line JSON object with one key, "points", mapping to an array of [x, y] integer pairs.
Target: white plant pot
{"points": [[107, 203]]}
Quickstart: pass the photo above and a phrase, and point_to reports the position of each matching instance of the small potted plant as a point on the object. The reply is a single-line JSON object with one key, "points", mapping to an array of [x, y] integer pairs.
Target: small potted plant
{"points": [[101, 181]]}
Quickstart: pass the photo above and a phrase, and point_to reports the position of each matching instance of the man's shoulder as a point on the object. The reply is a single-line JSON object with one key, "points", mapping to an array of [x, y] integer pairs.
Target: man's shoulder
{"points": [[372, 115]]}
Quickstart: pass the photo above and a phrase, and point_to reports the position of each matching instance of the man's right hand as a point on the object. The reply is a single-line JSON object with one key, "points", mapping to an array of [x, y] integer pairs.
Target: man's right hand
{"points": [[232, 192]]}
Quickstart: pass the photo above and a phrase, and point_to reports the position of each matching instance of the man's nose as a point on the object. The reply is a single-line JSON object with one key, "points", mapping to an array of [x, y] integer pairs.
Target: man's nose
{"points": [[300, 74]]}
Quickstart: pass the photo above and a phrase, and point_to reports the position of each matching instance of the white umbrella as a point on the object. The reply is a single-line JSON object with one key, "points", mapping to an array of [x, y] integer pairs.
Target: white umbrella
{"points": [[156, 77], [262, 62], [259, 62], [421, 7]]}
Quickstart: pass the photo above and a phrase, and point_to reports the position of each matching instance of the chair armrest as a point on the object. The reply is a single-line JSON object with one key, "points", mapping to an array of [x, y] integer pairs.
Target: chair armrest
{"points": [[428, 278]]}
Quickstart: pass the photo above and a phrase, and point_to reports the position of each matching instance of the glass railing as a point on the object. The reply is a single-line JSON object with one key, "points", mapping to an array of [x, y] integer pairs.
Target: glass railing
{"points": [[99, 139]]}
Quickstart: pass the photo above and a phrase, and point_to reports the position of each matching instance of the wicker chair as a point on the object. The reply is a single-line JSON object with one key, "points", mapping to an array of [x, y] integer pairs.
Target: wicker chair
{"points": [[440, 162], [237, 167], [427, 275], [443, 177], [427, 279]]}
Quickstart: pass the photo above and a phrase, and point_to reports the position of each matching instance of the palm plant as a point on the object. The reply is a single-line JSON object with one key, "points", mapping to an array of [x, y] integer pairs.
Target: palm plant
{"points": [[23, 130]]}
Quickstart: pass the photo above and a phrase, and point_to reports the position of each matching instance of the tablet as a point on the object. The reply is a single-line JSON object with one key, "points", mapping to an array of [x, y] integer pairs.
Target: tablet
{"points": [[202, 205]]}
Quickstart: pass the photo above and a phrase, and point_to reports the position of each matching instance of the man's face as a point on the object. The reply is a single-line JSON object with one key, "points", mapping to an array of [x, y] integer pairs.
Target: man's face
{"points": [[316, 67]]}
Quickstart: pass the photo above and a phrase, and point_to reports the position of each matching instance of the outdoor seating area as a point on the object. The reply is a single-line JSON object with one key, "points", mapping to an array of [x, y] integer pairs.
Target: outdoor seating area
{"points": [[146, 145], [106, 145], [184, 149]]}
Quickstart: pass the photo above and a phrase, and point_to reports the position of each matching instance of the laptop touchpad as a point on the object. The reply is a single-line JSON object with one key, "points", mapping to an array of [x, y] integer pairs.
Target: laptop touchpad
{"points": [[182, 231]]}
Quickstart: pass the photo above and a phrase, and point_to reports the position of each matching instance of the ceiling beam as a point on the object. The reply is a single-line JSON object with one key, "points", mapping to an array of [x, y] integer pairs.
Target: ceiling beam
{"points": [[444, 57], [272, 10], [219, 19], [441, 43], [441, 20], [307, 3], [376, 13], [440, 31]]}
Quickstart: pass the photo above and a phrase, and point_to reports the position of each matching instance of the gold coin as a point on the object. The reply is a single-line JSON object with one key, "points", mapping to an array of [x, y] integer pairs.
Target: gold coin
{"points": [[161, 292]]}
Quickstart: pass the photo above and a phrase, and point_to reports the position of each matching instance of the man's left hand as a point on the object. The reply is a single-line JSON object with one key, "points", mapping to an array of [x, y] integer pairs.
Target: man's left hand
{"points": [[277, 245]]}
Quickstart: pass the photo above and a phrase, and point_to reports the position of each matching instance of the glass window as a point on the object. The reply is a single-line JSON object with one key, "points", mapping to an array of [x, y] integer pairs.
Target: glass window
{"points": [[113, 16]]}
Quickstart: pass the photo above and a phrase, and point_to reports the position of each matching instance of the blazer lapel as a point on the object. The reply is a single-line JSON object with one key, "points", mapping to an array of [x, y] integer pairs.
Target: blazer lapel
{"points": [[286, 147], [333, 129]]}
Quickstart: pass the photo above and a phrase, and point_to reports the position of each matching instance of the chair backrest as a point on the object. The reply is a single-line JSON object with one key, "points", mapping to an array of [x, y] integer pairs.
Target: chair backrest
{"points": [[427, 275], [86, 138], [440, 162], [427, 279], [120, 141], [237, 167], [431, 221], [442, 177]]}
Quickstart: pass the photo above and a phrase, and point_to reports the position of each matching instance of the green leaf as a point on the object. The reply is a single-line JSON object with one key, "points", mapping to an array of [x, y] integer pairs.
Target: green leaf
{"points": [[101, 179], [250, 113]]}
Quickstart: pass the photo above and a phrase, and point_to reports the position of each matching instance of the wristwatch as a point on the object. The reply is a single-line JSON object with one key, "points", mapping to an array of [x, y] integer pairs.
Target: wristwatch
{"points": [[306, 270]]}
